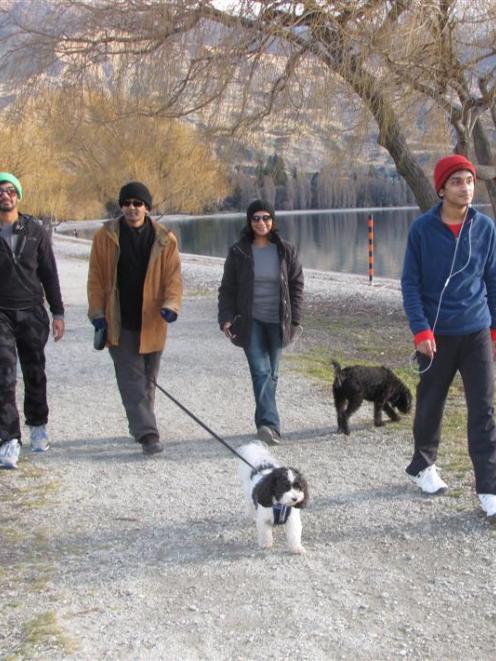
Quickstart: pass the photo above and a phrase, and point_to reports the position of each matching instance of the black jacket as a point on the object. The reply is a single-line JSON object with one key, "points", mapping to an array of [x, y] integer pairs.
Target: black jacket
{"points": [[30, 274], [236, 289]]}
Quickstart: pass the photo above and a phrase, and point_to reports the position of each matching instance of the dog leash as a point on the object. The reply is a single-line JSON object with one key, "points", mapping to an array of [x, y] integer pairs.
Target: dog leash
{"points": [[202, 424]]}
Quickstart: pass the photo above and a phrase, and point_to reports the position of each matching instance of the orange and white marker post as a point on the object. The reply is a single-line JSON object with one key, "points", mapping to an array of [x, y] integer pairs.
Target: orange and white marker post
{"points": [[371, 249]]}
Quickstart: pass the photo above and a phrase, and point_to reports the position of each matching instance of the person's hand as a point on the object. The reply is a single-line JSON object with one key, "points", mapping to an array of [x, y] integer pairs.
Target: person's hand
{"points": [[226, 329], [58, 328], [99, 323], [296, 332], [169, 315], [427, 348]]}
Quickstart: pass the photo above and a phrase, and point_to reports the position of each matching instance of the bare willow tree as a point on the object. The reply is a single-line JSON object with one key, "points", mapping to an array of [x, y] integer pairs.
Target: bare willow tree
{"points": [[28, 151], [103, 145], [73, 158], [234, 66], [445, 52]]}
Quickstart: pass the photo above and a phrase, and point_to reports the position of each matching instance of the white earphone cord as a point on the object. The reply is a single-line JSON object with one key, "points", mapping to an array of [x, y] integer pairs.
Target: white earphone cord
{"points": [[413, 355]]}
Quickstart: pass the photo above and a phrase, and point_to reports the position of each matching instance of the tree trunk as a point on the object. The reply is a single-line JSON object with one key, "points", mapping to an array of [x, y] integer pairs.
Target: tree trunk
{"points": [[484, 157], [392, 139], [391, 135]]}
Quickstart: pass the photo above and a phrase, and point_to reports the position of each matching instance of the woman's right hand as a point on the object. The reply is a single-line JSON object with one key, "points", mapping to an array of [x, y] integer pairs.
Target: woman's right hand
{"points": [[226, 329]]}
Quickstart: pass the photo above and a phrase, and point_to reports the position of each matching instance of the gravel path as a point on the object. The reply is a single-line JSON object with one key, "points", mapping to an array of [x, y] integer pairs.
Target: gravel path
{"points": [[108, 554]]}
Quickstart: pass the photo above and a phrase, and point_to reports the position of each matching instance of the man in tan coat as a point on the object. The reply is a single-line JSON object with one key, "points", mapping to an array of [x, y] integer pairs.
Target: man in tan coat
{"points": [[134, 292]]}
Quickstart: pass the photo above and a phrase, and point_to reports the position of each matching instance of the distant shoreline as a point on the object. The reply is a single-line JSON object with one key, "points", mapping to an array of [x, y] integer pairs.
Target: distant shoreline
{"points": [[70, 224]]}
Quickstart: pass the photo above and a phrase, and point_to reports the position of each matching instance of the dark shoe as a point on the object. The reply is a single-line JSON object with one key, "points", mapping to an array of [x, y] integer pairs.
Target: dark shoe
{"points": [[151, 444], [268, 435]]}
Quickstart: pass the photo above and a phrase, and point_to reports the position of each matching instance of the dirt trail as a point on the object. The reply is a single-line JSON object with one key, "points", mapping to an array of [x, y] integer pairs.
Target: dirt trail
{"points": [[108, 554]]}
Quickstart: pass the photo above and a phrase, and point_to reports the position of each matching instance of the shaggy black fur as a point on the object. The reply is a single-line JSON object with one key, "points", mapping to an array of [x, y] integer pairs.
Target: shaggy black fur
{"points": [[273, 485], [375, 384]]}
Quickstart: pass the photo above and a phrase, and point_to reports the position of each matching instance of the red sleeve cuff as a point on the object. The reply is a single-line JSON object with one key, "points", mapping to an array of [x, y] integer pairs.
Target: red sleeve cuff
{"points": [[428, 335], [423, 335]]}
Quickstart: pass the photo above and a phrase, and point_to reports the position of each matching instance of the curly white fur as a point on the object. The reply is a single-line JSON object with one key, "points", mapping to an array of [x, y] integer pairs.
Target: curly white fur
{"points": [[272, 485]]}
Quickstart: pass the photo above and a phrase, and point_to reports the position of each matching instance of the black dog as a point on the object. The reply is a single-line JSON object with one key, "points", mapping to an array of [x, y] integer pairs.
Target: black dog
{"points": [[375, 384]]}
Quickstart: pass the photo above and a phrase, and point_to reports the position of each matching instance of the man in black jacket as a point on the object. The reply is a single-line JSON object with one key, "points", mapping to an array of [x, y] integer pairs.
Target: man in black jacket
{"points": [[28, 274]]}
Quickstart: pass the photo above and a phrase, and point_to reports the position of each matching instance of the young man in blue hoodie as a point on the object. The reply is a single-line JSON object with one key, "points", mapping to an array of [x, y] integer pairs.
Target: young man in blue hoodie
{"points": [[449, 296]]}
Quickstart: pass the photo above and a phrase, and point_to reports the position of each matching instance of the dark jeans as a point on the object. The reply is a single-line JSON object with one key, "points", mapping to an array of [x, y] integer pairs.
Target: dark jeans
{"points": [[264, 354], [471, 355], [134, 372], [23, 333]]}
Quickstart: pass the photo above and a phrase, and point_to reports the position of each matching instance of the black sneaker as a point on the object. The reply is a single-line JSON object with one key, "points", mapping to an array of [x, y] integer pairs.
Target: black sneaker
{"points": [[268, 435], [151, 444]]}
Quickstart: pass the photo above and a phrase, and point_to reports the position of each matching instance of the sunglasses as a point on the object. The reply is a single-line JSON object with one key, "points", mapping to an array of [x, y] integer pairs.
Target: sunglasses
{"points": [[258, 219], [11, 192], [135, 203]]}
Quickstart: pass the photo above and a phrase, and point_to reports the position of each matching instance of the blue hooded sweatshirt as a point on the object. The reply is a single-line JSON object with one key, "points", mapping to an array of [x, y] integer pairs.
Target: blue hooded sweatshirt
{"points": [[468, 300]]}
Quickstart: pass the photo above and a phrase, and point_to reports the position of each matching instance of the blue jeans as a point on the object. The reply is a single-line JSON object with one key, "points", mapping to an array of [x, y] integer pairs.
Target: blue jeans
{"points": [[264, 354]]}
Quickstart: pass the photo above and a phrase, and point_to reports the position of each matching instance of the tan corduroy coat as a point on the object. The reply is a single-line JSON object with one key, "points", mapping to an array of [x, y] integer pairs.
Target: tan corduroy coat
{"points": [[162, 288]]}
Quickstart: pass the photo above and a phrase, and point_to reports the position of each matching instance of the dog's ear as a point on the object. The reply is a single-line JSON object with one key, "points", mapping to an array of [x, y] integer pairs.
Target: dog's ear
{"points": [[301, 484], [263, 493], [338, 376], [404, 400]]}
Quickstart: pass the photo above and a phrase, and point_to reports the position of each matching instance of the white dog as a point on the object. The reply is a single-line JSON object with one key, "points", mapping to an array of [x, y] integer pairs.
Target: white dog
{"points": [[274, 493]]}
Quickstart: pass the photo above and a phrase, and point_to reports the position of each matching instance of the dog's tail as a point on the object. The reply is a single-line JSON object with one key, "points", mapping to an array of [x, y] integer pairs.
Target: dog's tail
{"points": [[255, 453], [338, 377]]}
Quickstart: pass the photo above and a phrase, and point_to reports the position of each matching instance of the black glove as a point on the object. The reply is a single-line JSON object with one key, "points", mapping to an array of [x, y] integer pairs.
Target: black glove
{"points": [[100, 339], [168, 315], [99, 323]]}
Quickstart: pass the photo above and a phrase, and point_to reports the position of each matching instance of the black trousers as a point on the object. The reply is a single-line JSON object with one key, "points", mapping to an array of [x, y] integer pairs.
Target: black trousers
{"points": [[471, 355], [23, 333]]}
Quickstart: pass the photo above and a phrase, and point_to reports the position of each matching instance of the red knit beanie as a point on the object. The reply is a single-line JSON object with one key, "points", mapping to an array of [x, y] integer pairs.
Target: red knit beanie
{"points": [[446, 166]]}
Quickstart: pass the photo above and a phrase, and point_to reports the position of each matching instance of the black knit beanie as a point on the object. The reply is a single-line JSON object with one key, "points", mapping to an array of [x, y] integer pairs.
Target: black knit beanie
{"points": [[259, 205], [135, 190]]}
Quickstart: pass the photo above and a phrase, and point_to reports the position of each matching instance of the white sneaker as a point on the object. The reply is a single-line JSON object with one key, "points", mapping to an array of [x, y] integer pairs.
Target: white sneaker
{"points": [[488, 502], [9, 453], [429, 481], [38, 438]]}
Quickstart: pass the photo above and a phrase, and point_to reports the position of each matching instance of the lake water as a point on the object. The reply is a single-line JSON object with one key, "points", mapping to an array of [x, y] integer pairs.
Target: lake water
{"points": [[326, 240]]}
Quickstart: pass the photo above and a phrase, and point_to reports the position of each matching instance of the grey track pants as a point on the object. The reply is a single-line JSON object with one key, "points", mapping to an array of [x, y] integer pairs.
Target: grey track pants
{"points": [[134, 372]]}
